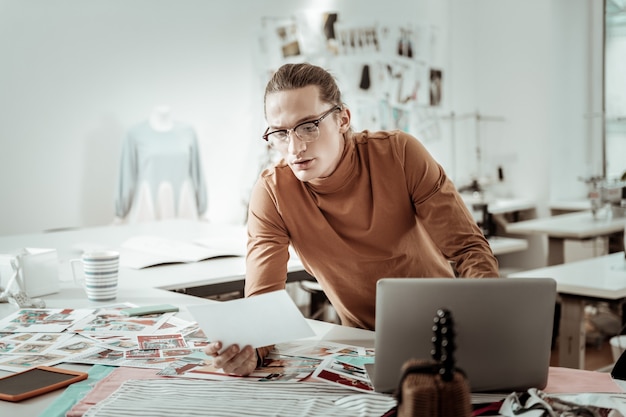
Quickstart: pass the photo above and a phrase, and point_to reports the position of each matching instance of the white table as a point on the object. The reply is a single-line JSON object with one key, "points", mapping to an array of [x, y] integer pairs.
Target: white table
{"points": [[499, 205], [600, 278], [501, 245], [75, 298], [569, 206], [577, 226], [205, 278], [510, 205]]}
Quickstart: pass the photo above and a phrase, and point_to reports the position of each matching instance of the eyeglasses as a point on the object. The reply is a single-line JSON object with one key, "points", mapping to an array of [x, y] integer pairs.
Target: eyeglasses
{"points": [[306, 131]]}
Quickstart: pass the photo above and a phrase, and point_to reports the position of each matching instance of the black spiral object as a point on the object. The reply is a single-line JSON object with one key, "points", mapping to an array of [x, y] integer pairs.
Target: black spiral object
{"points": [[444, 343]]}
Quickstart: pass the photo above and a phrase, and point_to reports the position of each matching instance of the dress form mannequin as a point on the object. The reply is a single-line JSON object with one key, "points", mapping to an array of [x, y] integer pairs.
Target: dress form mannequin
{"points": [[161, 118], [161, 173]]}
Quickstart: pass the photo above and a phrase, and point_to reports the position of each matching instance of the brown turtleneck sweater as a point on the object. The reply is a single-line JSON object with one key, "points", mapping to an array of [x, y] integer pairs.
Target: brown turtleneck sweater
{"points": [[388, 210]]}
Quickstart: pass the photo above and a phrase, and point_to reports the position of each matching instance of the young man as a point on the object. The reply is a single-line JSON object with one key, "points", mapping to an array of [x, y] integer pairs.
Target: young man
{"points": [[356, 207]]}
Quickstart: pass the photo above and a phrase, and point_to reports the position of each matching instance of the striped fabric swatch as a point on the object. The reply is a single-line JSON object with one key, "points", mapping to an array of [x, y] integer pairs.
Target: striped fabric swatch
{"points": [[182, 397]]}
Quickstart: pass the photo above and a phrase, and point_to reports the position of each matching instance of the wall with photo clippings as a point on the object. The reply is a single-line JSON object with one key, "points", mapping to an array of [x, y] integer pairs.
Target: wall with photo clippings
{"points": [[392, 73]]}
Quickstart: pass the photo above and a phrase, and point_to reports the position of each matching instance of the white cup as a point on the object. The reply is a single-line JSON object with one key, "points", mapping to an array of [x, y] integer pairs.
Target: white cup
{"points": [[99, 275]]}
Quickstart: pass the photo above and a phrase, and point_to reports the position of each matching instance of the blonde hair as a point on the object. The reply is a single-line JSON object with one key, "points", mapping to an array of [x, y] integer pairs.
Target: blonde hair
{"points": [[294, 76]]}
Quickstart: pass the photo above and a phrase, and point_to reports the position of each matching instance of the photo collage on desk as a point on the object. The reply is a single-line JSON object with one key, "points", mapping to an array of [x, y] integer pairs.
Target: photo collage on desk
{"points": [[35, 337], [105, 336], [334, 363]]}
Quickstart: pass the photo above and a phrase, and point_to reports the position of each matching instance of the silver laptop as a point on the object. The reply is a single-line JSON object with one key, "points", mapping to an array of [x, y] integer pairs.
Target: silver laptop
{"points": [[503, 329]]}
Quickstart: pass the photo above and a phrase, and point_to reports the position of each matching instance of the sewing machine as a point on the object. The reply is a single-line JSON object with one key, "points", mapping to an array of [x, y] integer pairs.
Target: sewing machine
{"points": [[609, 193]]}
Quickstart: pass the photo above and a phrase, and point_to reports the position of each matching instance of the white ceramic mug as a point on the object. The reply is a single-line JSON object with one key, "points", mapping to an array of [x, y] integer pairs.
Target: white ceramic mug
{"points": [[100, 274]]}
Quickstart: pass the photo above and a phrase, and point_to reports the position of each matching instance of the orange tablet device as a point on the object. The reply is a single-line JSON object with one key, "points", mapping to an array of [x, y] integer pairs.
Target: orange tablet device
{"points": [[37, 381]]}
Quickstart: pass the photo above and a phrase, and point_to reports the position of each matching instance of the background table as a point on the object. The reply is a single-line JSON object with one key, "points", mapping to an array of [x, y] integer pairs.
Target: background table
{"points": [[576, 226], [602, 278]]}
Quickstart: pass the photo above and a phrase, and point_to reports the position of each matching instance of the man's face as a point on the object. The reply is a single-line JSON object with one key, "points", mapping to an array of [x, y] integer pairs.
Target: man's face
{"points": [[307, 160]]}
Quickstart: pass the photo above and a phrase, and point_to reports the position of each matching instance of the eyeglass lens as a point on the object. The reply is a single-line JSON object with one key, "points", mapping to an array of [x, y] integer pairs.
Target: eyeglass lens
{"points": [[306, 132]]}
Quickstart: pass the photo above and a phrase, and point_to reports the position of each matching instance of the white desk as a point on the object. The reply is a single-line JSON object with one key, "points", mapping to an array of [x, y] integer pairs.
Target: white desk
{"points": [[75, 298], [205, 278], [512, 205], [503, 210], [577, 226], [210, 277], [602, 278], [499, 205], [501, 245], [569, 206]]}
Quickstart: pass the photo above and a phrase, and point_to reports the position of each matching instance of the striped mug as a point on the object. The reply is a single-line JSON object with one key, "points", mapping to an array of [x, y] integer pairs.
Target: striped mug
{"points": [[99, 274]]}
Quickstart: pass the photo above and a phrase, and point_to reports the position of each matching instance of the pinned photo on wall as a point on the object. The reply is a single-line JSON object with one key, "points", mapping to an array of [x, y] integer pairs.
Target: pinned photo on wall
{"points": [[412, 42], [365, 79], [400, 118], [405, 43], [435, 87], [357, 39], [279, 42], [314, 32], [332, 44], [407, 82], [288, 36]]}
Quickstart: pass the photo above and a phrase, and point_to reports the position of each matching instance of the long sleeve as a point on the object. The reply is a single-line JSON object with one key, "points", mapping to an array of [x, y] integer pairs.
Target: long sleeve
{"points": [[268, 244], [197, 176], [444, 215], [127, 181]]}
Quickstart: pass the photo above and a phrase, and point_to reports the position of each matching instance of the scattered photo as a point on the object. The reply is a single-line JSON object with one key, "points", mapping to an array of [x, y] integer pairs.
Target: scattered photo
{"points": [[16, 363], [111, 320], [43, 320], [161, 341], [336, 371]]}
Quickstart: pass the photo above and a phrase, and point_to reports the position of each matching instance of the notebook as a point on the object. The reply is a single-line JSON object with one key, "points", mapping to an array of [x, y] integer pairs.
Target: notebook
{"points": [[503, 329]]}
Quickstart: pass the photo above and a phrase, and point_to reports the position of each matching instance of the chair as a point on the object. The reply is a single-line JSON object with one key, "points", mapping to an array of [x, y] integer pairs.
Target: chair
{"points": [[319, 307], [619, 369]]}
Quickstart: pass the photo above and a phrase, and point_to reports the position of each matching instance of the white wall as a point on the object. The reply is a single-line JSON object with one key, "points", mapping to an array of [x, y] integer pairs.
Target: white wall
{"points": [[536, 66], [76, 75], [538, 69], [616, 92]]}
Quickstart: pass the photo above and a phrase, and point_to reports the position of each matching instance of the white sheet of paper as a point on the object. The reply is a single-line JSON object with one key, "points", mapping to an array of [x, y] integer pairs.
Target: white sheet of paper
{"points": [[142, 251], [262, 320]]}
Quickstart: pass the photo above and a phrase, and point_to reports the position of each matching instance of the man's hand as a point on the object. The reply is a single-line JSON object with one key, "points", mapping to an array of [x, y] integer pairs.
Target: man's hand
{"points": [[233, 360]]}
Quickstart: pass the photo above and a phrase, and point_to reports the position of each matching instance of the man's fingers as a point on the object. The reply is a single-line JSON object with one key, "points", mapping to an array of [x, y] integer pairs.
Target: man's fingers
{"points": [[232, 360], [224, 359], [213, 349], [243, 363]]}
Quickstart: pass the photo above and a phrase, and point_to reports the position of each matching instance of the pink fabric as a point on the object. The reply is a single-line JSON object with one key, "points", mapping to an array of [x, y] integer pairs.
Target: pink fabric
{"points": [[571, 381], [109, 384]]}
